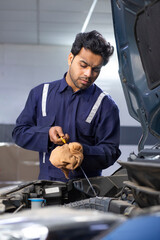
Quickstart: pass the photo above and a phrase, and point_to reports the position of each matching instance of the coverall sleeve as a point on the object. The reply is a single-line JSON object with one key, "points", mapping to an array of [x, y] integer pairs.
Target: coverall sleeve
{"points": [[27, 133], [106, 149]]}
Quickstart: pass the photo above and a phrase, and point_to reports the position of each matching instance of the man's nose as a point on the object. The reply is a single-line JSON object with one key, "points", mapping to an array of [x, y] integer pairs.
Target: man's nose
{"points": [[88, 72]]}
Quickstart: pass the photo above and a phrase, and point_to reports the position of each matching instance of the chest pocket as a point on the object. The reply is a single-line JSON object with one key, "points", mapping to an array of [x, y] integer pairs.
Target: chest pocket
{"points": [[83, 127]]}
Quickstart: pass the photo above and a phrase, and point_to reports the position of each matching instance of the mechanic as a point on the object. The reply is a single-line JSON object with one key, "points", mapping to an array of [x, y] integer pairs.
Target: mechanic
{"points": [[73, 108]]}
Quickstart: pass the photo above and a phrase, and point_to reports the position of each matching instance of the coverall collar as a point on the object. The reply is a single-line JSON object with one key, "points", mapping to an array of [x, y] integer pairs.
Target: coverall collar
{"points": [[85, 93]]}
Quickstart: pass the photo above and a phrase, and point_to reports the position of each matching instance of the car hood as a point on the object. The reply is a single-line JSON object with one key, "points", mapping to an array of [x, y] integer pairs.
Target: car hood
{"points": [[136, 27]]}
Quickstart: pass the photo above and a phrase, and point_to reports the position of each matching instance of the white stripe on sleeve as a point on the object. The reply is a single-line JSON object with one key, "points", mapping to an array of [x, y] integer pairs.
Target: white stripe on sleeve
{"points": [[44, 99], [95, 107]]}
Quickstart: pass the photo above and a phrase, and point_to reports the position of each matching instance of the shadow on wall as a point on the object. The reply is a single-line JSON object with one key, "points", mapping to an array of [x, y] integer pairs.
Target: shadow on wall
{"points": [[17, 165]]}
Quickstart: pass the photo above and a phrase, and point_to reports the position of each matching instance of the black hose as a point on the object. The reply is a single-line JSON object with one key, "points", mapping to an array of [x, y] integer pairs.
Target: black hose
{"points": [[97, 203]]}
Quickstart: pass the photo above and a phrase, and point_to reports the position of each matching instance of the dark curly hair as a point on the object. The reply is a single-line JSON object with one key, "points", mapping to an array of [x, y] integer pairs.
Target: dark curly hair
{"points": [[95, 42]]}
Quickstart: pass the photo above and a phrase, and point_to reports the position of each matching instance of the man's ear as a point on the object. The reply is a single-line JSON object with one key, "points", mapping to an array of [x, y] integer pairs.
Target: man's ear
{"points": [[70, 58]]}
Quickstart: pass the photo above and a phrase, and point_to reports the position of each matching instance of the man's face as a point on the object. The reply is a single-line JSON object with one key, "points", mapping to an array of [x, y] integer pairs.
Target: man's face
{"points": [[84, 69]]}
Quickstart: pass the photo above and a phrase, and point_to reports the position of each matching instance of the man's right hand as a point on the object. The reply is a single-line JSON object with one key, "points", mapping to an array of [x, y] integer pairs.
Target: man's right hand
{"points": [[55, 134]]}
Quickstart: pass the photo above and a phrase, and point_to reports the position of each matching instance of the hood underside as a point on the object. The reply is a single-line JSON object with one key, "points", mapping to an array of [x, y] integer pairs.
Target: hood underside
{"points": [[136, 26]]}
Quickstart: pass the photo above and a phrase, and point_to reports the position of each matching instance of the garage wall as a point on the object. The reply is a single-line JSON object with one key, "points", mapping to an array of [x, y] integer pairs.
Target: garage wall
{"points": [[23, 67]]}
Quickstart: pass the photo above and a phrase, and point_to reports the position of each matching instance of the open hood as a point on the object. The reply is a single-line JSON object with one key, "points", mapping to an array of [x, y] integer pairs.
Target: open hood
{"points": [[137, 33]]}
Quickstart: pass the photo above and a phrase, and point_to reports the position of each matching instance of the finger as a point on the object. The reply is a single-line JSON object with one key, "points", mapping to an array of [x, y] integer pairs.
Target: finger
{"points": [[63, 140], [59, 132], [66, 137], [54, 133]]}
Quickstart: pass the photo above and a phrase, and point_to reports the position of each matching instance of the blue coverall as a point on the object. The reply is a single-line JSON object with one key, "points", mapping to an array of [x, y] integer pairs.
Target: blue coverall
{"points": [[89, 117]]}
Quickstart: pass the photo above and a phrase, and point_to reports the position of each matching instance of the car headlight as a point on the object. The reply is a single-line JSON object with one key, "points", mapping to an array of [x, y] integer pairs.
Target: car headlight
{"points": [[29, 231]]}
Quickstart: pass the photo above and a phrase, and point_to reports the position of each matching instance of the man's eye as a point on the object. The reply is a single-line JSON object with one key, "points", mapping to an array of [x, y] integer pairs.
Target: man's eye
{"points": [[83, 66], [96, 70]]}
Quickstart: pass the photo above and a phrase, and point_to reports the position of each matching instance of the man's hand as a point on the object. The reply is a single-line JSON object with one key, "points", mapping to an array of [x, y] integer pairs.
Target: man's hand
{"points": [[67, 157], [55, 134]]}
